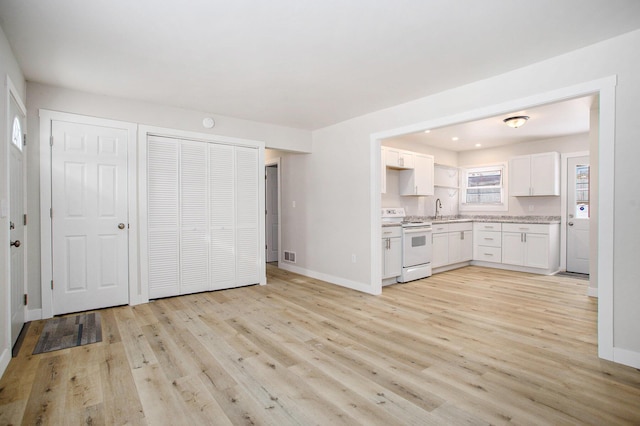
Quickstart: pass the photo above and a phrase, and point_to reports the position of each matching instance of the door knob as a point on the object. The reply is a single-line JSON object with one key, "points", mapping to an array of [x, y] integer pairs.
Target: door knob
{"points": [[121, 226], [16, 243], [570, 223]]}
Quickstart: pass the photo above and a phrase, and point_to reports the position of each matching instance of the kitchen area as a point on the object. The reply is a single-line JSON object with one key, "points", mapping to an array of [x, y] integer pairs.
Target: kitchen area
{"points": [[519, 204]]}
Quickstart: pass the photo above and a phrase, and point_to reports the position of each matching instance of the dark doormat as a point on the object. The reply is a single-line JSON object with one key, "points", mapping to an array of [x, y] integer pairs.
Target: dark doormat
{"points": [[67, 332]]}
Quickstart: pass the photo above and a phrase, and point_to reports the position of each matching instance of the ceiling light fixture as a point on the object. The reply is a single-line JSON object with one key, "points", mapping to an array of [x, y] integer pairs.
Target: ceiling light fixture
{"points": [[516, 121], [455, 138]]}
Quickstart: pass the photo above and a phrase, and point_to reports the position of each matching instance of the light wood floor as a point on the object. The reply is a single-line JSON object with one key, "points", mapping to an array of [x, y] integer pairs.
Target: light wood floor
{"points": [[472, 346]]}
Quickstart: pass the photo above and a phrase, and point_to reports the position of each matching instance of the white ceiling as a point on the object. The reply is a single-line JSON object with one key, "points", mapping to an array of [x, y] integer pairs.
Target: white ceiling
{"points": [[296, 63], [545, 122]]}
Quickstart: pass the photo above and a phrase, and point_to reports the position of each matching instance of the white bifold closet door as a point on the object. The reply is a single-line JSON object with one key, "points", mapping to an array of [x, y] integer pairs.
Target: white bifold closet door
{"points": [[202, 216]]}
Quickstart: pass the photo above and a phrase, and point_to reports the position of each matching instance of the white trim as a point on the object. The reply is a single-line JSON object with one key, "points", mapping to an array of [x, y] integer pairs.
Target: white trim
{"points": [[626, 357], [353, 285], [606, 88], [592, 291], [4, 360], [564, 182], [46, 119], [276, 162], [375, 159], [34, 314]]}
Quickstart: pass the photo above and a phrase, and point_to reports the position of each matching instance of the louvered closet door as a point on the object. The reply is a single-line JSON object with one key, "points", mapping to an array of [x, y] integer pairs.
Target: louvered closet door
{"points": [[163, 217], [222, 218], [247, 181]]}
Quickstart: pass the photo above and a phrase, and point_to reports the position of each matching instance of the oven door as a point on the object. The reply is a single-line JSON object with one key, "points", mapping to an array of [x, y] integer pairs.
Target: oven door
{"points": [[416, 246]]}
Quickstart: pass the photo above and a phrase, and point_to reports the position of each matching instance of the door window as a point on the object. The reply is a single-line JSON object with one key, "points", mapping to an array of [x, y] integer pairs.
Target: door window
{"points": [[16, 134], [582, 191]]}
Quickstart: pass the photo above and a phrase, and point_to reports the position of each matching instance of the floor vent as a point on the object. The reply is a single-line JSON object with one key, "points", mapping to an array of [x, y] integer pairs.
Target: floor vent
{"points": [[290, 256]]}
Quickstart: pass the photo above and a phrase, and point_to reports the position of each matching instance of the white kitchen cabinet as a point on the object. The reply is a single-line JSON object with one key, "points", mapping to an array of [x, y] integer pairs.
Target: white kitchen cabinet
{"points": [[391, 252], [419, 180], [399, 159], [534, 175], [452, 244], [530, 245], [487, 242]]}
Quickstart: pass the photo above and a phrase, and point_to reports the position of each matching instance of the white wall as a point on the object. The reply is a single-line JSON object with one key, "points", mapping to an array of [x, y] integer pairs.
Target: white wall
{"points": [[337, 192], [8, 67], [41, 96]]}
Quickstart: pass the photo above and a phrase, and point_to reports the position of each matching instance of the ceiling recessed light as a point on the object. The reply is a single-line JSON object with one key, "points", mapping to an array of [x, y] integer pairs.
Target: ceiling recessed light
{"points": [[478, 145], [455, 138], [427, 131]]}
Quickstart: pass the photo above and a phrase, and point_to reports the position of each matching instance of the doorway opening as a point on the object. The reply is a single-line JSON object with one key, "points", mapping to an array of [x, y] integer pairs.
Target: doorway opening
{"points": [[272, 212]]}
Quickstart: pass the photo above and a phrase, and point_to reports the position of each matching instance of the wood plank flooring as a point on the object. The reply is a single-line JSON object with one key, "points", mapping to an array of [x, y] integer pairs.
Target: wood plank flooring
{"points": [[472, 346]]}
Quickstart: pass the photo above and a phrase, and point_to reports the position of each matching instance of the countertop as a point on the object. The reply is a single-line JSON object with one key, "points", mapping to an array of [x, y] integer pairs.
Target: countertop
{"points": [[487, 218]]}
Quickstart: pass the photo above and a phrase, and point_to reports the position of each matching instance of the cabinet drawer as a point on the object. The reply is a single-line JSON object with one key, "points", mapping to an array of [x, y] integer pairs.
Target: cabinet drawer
{"points": [[489, 239], [488, 226], [460, 226], [439, 228], [488, 254], [391, 231], [533, 228]]}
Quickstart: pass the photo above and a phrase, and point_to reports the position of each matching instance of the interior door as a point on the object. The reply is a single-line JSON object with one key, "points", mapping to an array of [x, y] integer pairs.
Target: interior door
{"points": [[272, 213], [578, 214], [16, 217], [89, 217]]}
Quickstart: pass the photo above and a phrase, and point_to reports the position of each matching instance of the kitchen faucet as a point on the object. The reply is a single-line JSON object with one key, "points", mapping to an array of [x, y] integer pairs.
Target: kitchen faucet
{"points": [[438, 206]]}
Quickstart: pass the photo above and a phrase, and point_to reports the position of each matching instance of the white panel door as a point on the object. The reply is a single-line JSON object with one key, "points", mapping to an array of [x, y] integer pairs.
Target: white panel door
{"points": [[163, 217], [16, 217], [578, 214], [271, 223], [247, 221], [89, 217]]}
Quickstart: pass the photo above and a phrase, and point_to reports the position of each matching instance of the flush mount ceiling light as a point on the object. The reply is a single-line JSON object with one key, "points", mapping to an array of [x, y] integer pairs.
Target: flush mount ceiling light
{"points": [[516, 121]]}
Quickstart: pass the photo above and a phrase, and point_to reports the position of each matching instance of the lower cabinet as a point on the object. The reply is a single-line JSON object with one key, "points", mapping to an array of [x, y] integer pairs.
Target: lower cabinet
{"points": [[530, 245], [487, 237], [391, 252], [452, 243]]}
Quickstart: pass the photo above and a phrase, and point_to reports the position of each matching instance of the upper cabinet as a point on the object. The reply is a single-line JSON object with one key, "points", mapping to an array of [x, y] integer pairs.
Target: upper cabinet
{"points": [[398, 159], [418, 181], [534, 175]]}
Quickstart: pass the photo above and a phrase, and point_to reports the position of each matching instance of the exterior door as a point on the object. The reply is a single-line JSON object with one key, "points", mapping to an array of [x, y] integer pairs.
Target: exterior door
{"points": [[272, 213], [578, 214], [89, 217], [16, 217]]}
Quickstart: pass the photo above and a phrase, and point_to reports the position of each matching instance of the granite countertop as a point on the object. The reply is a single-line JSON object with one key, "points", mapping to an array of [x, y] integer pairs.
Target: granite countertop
{"points": [[488, 218]]}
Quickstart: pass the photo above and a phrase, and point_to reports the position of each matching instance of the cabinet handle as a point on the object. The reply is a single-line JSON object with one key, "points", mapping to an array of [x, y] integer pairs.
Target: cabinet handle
{"points": [[461, 235], [525, 237], [488, 227], [488, 239], [488, 254]]}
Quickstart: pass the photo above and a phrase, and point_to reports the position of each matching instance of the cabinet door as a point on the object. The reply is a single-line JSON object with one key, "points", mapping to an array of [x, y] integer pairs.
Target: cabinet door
{"points": [[391, 257], [513, 248], [407, 160], [545, 174], [466, 246], [424, 174], [455, 246], [247, 218], [520, 176], [537, 250], [440, 250], [222, 216]]}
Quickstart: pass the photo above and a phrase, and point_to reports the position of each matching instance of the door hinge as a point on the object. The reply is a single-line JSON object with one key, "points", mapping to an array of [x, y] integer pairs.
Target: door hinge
{"points": [[51, 140], [25, 219], [51, 284], [26, 298], [24, 139], [50, 212]]}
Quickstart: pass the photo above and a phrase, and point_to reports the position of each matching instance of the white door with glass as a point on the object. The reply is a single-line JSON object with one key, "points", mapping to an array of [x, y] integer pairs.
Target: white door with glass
{"points": [[578, 214], [89, 216], [16, 217]]}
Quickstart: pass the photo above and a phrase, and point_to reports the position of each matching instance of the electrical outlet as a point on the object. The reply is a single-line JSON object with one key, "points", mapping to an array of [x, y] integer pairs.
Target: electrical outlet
{"points": [[353, 258], [531, 207]]}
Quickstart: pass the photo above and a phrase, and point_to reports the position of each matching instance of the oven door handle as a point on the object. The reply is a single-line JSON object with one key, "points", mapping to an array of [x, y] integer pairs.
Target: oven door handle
{"points": [[416, 230]]}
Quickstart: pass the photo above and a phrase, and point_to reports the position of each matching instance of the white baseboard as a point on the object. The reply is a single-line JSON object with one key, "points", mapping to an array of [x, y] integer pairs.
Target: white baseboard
{"points": [[592, 292], [626, 357], [33, 314], [4, 360], [331, 279]]}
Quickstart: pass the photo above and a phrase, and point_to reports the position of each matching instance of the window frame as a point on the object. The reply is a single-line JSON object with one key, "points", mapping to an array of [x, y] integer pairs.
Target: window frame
{"points": [[503, 205]]}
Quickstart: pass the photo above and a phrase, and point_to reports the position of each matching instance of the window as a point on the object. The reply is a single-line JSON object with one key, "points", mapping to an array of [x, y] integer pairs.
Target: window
{"points": [[16, 134], [483, 188]]}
